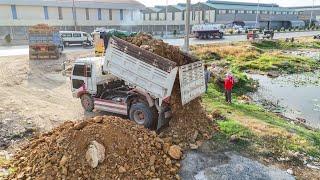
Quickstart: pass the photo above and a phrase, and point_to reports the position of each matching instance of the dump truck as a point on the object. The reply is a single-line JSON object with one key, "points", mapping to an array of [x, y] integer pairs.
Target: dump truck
{"points": [[207, 31], [134, 82], [44, 42]]}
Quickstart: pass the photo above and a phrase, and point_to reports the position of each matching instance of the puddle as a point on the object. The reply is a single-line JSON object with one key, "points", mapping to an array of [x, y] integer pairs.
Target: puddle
{"points": [[206, 164], [297, 94]]}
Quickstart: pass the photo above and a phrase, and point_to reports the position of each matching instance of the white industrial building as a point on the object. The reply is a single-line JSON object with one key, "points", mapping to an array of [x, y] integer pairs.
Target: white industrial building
{"points": [[17, 15]]}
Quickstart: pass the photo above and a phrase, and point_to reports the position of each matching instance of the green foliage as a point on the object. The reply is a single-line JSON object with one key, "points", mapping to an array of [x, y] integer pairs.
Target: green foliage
{"points": [[231, 127], [8, 38]]}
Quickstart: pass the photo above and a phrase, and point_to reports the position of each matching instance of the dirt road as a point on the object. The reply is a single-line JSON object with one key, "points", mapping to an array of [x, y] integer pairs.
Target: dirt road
{"points": [[35, 96]]}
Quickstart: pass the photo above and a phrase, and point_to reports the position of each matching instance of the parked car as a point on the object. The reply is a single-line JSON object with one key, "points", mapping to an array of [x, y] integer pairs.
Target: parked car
{"points": [[268, 34], [316, 36], [76, 37]]}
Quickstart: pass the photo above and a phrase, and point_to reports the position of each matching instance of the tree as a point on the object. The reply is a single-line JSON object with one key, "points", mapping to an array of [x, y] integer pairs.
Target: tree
{"points": [[8, 38]]}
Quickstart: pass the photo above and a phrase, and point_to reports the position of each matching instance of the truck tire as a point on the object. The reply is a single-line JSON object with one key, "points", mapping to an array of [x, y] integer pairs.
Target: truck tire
{"points": [[142, 115], [87, 102]]}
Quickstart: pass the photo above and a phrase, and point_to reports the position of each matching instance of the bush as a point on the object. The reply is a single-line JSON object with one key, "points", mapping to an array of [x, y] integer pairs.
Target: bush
{"points": [[231, 31], [8, 38]]}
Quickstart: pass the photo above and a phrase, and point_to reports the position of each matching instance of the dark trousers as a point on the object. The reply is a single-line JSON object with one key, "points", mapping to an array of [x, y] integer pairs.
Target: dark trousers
{"points": [[206, 87], [228, 95]]}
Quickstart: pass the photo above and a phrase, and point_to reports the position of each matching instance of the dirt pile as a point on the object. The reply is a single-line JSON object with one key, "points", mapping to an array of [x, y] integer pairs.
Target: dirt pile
{"points": [[131, 152], [190, 123]]}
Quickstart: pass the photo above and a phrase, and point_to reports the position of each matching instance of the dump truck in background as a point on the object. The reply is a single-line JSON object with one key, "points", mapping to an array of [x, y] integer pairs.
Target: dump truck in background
{"points": [[44, 42], [135, 82], [208, 31]]}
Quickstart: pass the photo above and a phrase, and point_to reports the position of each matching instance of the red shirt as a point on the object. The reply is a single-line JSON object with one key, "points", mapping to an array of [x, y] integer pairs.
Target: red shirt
{"points": [[228, 83]]}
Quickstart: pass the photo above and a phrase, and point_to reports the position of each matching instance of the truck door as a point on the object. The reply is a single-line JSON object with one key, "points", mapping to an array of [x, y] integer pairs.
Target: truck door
{"points": [[82, 76], [192, 82]]}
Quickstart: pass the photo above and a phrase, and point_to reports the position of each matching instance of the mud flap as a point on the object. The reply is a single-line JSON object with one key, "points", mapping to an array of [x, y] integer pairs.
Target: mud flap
{"points": [[164, 118]]}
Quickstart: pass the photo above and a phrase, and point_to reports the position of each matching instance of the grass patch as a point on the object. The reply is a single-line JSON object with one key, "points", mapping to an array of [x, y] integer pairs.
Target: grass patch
{"points": [[283, 45], [264, 130]]}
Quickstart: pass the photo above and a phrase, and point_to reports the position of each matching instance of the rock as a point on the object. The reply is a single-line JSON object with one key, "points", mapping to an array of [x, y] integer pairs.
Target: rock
{"points": [[81, 125], [63, 160], [175, 152], [273, 74], [195, 136], [193, 146], [168, 161], [290, 171], [152, 160], [122, 169], [234, 138], [95, 154], [98, 119]]}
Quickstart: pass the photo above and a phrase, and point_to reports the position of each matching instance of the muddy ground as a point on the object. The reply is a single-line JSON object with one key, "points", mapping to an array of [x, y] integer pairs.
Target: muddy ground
{"points": [[35, 96]]}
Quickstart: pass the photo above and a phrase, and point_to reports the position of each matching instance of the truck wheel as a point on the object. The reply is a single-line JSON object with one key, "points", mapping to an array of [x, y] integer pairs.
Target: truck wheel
{"points": [[142, 115], [87, 102]]}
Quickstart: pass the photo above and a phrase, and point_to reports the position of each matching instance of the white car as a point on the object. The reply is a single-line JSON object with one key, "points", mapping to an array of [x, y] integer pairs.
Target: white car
{"points": [[75, 37]]}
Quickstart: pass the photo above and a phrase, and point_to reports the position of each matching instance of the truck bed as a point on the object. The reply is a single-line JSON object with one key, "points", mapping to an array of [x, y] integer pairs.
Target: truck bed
{"points": [[152, 73]]}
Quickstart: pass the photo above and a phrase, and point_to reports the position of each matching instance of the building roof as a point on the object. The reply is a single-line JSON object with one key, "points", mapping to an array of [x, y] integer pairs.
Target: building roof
{"points": [[245, 6], [108, 4], [242, 3], [306, 8]]}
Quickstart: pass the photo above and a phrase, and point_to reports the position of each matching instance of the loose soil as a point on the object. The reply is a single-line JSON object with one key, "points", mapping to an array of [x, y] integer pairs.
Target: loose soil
{"points": [[131, 152]]}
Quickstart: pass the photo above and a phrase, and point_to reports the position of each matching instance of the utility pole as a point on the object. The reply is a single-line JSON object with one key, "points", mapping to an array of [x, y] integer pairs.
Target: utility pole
{"points": [[74, 14], [257, 13], [310, 21], [187, 27]]}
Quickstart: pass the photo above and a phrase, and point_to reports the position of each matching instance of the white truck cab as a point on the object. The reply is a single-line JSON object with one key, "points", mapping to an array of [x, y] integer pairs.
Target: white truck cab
{"points": [[134, 82]]}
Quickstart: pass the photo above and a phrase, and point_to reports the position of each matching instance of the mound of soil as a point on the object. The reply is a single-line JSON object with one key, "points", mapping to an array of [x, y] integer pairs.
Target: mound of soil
{"points": [[131, 152], [190, 122]]}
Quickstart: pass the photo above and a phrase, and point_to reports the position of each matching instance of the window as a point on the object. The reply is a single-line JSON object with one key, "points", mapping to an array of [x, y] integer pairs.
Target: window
{"points": [[173, 16], [14, 12], [110, 14], [232, 11], [240, 11], [76, 34], [131, 12], [81, 70], [249, 12], [99, 14], [45, 11], [121, 14], [60, 13], [278, 12], [222, 11], [193, 15], [284, 12], [291, 12], [183, 14], [203, 15], [87, 14], [66, 35]]}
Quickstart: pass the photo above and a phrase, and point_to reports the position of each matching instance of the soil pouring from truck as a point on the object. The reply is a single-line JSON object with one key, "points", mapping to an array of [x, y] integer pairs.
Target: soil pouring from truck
{"points": [[207, 31], [134, 82]]}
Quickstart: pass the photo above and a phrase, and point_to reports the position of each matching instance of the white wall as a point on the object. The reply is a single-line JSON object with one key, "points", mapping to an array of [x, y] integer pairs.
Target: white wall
{"points": [[32, 15]]}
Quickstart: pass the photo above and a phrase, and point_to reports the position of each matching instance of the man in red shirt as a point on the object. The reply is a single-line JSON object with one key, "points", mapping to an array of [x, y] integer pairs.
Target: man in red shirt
{"points": [[228, 85]]}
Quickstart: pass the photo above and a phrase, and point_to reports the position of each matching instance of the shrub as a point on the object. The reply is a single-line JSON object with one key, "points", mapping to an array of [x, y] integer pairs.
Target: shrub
{"points": [[8, 38]]}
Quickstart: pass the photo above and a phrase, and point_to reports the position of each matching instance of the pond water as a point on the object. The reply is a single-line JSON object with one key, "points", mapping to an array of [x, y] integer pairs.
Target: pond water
{"points": [[295, 96]]}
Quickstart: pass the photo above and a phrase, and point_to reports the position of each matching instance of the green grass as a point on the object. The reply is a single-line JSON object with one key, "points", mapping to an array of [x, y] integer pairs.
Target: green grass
{"points": [[283, 45], [275, 62], [279, 136]]}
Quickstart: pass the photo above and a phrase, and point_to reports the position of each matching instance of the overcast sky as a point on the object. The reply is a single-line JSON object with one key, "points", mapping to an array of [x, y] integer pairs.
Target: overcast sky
{"points": [[280, 2]]}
